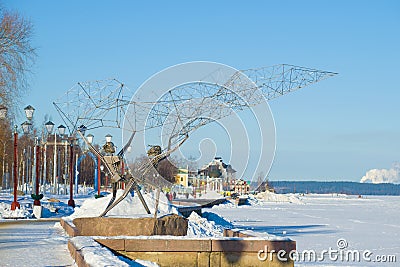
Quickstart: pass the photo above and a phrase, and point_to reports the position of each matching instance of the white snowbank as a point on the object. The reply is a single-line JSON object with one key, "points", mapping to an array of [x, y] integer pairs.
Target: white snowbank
{"points": [[6, 212], [272, 197], [201, 227], [131, 206]]}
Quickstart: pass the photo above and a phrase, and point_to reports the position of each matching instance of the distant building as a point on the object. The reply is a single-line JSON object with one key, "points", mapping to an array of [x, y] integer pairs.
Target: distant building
{"points": [[239, 186], [218, 174], [182, 177]]}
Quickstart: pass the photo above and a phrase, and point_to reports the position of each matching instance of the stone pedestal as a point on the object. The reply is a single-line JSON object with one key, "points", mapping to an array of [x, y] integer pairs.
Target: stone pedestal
{"points": [[107, 226]]}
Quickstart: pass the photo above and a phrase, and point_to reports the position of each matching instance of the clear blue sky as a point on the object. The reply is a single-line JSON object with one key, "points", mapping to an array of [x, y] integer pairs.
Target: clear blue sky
{"points": [[334, 130]]}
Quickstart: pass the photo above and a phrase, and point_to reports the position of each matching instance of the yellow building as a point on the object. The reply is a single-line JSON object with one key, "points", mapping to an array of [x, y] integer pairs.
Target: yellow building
{"points": [[182, 177]]}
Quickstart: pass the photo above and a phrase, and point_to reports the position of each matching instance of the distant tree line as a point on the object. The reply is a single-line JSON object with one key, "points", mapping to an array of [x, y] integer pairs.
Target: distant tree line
{"points": [[350, 188]]}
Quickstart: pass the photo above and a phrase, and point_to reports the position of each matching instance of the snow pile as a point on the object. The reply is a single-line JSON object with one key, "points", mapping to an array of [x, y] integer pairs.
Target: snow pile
{"points": [[272, 197], [253, 202], [226, 205], [201, 227], [131, 206], [6, 212], [96, 255], [57, 209]]}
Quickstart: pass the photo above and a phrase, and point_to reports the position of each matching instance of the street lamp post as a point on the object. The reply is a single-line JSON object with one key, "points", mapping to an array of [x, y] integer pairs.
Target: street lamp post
{"points": [[61, 131], [37, 209], [3, 114], [15, 203], [49, 127], [71, 201], [4, 156], [105, 176], [55, 164], [25, 127], [37, 201]]}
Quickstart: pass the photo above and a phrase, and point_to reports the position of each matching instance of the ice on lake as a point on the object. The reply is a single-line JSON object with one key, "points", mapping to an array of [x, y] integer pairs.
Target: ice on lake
{"points": [[367, 223]]}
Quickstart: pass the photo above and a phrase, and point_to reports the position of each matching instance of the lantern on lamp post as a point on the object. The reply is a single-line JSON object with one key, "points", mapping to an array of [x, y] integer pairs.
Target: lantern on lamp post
{"points": [[61, 130], [26, 126], [89, 138], [49, 127], [29, 110]]}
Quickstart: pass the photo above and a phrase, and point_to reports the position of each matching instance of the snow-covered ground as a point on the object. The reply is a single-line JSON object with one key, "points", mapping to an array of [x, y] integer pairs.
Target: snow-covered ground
{"points": [[33, 244], [317, 222]]}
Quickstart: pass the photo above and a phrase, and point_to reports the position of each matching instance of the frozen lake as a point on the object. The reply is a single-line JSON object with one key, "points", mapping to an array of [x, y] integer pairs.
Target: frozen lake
{"points": [[368, 223]]}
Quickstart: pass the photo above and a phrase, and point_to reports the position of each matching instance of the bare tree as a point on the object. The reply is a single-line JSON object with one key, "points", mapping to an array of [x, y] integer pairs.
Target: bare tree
{"points": [[16, 57]]}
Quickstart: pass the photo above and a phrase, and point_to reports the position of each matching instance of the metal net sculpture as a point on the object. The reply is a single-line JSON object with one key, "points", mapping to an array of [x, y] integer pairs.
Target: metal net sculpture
{"points": [[171, 114]]}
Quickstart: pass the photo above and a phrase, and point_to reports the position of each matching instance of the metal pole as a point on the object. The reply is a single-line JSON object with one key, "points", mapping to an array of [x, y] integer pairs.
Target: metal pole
{"points": [[65, 165], [55, 164], [71, 201], [36, 202], [58, 171], [44, 180], [12, 175], [28, 163], [26, 170], [123, 173], [4, 156], [15, 203], [34, 168], [98, 175], [76, 176], [23, 172], [7, 176]]}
